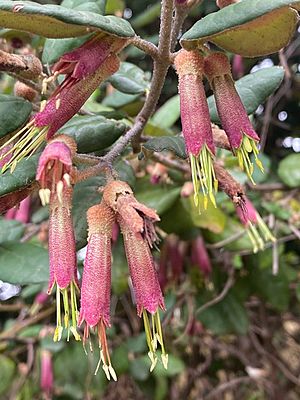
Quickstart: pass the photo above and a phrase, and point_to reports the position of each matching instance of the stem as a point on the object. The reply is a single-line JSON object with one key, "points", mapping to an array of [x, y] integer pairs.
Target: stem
{"points": [[145, 46], [161, 66]]}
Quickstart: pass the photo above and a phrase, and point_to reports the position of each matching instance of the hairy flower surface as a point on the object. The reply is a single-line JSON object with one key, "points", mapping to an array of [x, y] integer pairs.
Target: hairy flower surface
{"points": [[140, 219], [96, 280], [196, 126], [257, 229], [234, 119], [55, 166], [62, 261], [137, 226], [84, 70]]}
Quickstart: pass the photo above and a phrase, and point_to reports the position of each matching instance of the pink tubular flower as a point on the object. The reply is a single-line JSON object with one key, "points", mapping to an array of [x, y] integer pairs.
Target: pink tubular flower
{"points": [[55, 166], [136, 223], [254, 224], [46, 380], [96, 280], [234, 119], [196, 126], [20, 214], [85, 68], [53, 171], [200, 257]]}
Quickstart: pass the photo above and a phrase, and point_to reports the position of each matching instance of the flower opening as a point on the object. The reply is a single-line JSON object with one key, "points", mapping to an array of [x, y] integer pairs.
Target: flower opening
{"points": [[96, 281], [55, 167], [234, 119], [62, 105], [196, 126]]}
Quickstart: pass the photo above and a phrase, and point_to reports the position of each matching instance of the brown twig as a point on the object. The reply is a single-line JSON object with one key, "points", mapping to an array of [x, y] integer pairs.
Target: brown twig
{"points": [[229, 283], [217, 392]]}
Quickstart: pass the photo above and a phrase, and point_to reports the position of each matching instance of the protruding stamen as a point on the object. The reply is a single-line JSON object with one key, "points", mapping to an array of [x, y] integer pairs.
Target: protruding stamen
{"points": [[247, 147], [203, 175], [59, 191], [154, 336], [67, 179]]}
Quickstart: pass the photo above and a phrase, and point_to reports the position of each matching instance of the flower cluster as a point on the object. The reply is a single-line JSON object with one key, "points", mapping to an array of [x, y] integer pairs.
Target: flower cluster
{"points": [[191, 66], [55, 175], [84, 69]]}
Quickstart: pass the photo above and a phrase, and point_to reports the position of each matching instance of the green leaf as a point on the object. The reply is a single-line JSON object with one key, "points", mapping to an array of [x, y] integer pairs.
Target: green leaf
{"points": [[251, 28], [7, 367], [14, 112], [93, 132], [129, 79], [168, 113], [212, 218], [55, 48], [10, 230], [97, 6], [158, 197], [167, 143], [265, 284], [253, 89], [54, 21], [23, 176], [146, 17], [175, 367], [289, 171], [154, 129], [228, 316], [118, 99], [23, 263]]}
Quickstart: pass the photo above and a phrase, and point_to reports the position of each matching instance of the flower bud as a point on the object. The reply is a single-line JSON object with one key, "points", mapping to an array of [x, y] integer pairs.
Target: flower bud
{"points": [[96, 280], [234, 119], [200, 257], [25, 91], [196, 126], [46, 380]]}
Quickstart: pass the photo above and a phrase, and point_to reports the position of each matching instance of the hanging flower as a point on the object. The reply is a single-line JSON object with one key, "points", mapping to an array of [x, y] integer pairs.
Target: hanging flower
{"points": [[55, 166], [234, 119], [47, 378], [85, 68], [196, 126], [257, 229], [200, 256], [53, 175], [136, 223], [96, 280]]}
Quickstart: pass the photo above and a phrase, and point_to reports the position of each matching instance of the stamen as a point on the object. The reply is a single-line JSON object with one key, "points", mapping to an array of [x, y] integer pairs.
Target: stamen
{"points": [[59, 329], [203, 175], [59, 191], [104, 354], [247, 147], [153, 337], [67, 179]]}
